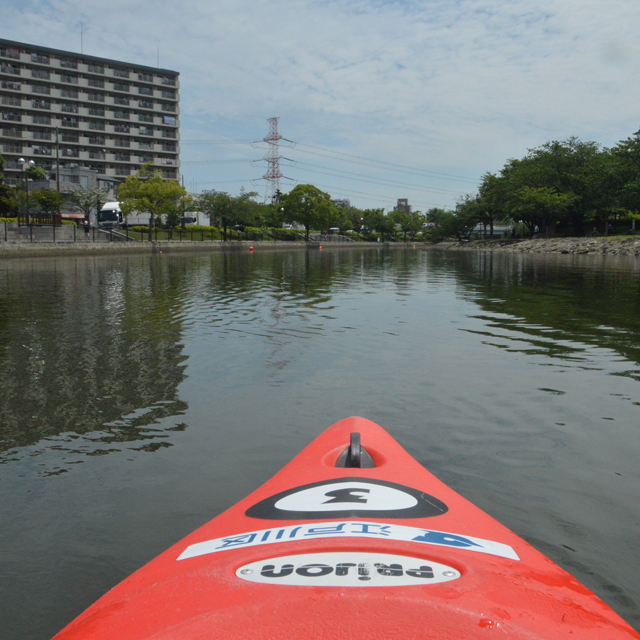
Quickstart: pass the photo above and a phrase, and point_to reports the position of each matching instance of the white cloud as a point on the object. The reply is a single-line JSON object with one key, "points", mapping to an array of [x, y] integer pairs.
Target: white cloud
{"points": [[455, 87]]}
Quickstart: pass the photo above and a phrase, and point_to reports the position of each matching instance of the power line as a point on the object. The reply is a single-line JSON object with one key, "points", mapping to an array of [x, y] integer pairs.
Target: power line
{"points": [[378, 164], [392, 183]]}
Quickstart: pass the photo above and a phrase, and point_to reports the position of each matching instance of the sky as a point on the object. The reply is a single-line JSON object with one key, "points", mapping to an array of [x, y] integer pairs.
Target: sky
{"points": [[377, 100]]}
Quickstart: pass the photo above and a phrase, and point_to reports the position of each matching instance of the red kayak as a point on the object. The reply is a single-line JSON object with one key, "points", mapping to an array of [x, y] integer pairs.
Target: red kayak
{"points": [[353, 539]]}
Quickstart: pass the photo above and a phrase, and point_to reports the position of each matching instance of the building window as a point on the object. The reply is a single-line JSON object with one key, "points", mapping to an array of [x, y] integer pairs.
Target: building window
{"points": [[119, 100], [68, 63], [145, 117], [12, 116], [68, 79], [96, 111], [69, 93], [12, 132], [145, 91], [145, 104], [123, 157], [167, 106], [168, 94], [10, 53], [96, 84], [41, 88], [11, 147], [39, 58], [10, 101], [95, 68], [40, 104], [123, 171], [121, 86], [145, 145], [40, 73], [168, 146], [96, 126], [122, 142], [70, 137], [70, 122], [40, 134], [120, 73], [169, 120], [121, 114], [171, 82], [41, 119], [69, 108], [41, 151], [95, 97], [7, 84], [70, 179], [97, 155], [121, 128], [145, 77], [70, 152], [13, 69], [96, 140], [145, 158], [168, 133], [145, 131]]}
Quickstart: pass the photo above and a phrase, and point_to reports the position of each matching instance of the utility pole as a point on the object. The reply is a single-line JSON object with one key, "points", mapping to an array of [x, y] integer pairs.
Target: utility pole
{"points": [[57, 162]]}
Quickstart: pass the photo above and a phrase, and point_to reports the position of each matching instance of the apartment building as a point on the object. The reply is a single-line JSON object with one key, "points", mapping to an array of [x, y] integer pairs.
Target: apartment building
{"points": [[71, 110]]}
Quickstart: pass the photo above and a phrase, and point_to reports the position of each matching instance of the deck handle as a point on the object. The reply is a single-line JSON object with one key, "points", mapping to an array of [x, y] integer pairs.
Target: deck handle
{"points": [[355, 455]]}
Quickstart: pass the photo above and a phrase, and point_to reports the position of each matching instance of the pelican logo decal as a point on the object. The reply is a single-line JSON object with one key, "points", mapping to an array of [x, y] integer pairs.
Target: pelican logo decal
{"points": [[347, 569], [348, 498]]}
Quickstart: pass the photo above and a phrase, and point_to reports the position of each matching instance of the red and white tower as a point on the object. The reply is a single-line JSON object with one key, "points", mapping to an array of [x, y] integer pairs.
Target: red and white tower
{"points": [[273, 174]]}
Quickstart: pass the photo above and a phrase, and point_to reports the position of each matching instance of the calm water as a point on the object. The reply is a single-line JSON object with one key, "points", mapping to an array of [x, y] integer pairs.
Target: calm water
{"points": [[141, 396]]}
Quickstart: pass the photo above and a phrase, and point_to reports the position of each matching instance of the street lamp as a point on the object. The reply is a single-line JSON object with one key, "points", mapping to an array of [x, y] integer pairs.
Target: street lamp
{"points": [[29, 165]]}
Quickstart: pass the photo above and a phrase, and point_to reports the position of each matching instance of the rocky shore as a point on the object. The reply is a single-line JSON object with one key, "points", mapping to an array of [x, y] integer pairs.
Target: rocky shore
{"points": [[615, 245]]}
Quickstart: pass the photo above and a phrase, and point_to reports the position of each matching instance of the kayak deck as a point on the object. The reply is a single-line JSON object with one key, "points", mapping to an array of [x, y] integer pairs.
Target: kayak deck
{"points": [[378, 549]]}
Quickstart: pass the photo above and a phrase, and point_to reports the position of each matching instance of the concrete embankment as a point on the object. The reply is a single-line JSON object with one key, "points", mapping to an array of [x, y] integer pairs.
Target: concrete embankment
{"points": [[28, 249], [605, 246]]}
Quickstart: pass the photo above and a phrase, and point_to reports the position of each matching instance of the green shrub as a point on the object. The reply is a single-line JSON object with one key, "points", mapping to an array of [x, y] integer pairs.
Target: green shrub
{"points": [[8, 219]]}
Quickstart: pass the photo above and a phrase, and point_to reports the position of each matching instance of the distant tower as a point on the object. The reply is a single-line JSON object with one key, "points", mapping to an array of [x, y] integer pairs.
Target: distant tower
{"points": [[273, 174]]}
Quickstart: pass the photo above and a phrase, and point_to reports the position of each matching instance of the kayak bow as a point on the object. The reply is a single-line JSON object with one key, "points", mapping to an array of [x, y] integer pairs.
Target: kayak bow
{"points": [[352, 539]]}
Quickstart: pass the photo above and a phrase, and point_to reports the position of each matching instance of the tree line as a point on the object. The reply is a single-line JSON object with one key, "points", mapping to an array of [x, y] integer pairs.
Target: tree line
{"points": [[569, 187]]}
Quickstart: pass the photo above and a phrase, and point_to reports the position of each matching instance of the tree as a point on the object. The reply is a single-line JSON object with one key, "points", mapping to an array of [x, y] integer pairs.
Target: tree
{"points": [[307, 205], [85, 199], [8, 200], [539, 207], [148, 191], [219, 207], [48, 200]]}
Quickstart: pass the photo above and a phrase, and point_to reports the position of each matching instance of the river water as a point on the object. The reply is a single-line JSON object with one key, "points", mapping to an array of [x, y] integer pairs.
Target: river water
{"points": [[142, 395]]}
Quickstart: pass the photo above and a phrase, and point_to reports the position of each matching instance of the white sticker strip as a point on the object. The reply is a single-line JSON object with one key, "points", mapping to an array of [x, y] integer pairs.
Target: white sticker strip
{"points": [[349, 529]]}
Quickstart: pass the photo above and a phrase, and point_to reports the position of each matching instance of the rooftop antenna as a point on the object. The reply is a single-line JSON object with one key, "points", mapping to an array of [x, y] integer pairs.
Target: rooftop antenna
{"points": [[158, 57], [82, 38], [273, 174]]}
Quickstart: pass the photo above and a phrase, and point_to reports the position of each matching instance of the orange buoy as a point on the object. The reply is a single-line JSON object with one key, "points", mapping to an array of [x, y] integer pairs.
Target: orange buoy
{"points": [[251, 249], [320, 247]]}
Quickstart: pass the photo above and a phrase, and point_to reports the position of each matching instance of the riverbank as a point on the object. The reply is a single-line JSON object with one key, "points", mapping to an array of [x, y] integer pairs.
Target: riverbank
{"points": [[49, 249], [615, 245]]}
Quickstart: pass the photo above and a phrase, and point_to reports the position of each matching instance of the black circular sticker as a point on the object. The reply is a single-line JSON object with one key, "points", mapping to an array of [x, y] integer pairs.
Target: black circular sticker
{"points": [[348, 498]]}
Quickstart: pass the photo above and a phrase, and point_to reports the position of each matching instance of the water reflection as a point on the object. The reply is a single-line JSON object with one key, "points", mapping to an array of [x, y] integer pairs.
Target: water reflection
{"points": [[512, 378], [90, 355]]}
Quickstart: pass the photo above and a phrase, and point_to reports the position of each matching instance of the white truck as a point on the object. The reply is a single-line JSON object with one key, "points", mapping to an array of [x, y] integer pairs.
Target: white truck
{"points": [[111, 217], [195, 217]]}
